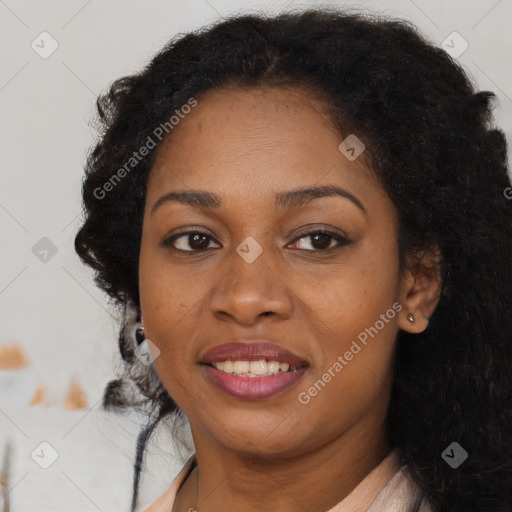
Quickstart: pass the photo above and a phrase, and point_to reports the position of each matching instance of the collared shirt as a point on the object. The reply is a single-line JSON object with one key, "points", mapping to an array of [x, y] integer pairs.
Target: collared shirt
{"points": [[387, 488]]}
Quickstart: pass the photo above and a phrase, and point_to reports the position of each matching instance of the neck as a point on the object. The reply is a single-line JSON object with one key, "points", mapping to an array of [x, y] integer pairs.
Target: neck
{"points": [[248, 481]]}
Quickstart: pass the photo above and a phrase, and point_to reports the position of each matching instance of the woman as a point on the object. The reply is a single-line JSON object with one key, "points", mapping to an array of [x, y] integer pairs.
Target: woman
{"points": [[303, 219]]}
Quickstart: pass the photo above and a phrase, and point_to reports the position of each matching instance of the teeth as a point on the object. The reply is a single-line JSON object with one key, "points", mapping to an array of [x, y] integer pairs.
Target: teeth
{"points": [[258, 367], [241, 366], [253, 368], [273, 366]]}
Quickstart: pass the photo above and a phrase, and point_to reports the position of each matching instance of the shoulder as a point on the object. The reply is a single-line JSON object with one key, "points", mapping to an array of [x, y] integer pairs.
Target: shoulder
{"points": [[399, 494], [165, 501]]}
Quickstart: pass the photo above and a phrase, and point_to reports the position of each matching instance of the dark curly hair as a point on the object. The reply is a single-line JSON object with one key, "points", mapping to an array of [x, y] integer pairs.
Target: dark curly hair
{"points": [[431, 142]]}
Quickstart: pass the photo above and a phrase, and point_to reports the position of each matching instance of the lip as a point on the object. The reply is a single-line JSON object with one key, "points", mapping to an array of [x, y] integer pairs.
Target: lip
{"points": [[251, 350], [252, 388]]}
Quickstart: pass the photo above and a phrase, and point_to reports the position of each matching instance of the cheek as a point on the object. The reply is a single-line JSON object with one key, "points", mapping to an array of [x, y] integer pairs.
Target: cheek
{"points": [[357, 311], [163, 297], [353, 294], [172, 301], [170, 319], [354, 365]]}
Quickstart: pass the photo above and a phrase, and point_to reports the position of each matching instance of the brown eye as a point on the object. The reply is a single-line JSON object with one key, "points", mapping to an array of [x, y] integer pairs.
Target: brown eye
{"points": [[321, 240], [192, 241]]}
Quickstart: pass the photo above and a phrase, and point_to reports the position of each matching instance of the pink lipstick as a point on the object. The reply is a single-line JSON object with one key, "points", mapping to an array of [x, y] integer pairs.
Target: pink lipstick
{"points": [[252, 369]]}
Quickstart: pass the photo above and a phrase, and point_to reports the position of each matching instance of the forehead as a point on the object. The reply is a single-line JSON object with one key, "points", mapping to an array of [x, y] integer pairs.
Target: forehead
{"points": [[257, 140]]}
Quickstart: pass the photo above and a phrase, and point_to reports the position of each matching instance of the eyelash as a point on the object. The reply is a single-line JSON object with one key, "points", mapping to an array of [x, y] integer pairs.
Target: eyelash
{"points": [[342, 241]]}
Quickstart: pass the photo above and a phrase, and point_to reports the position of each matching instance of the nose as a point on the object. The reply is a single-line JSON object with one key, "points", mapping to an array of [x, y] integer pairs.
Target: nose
{"points": [[250, 291]]}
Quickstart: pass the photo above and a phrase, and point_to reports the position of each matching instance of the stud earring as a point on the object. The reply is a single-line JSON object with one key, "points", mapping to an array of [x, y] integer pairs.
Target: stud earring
{"points": [[140, 332], [410, 317]]}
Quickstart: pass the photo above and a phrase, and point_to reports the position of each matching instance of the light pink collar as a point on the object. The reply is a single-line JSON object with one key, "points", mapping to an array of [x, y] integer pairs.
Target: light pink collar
{"points": [[381, 488]]}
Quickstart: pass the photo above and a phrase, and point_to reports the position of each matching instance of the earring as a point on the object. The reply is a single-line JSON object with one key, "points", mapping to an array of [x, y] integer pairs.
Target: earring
{"points": [[140, 334], [410, 317]]}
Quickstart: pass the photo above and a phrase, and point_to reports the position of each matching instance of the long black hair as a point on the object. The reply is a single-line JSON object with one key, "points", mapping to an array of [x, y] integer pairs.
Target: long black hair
{"points": [[431, 141]]}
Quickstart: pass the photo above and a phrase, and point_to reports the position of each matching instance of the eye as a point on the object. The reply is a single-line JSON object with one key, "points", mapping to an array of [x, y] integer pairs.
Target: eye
{"points": [[321, 240], [196, 240]]}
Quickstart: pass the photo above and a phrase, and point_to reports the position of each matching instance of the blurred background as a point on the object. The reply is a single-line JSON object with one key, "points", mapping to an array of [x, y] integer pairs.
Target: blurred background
{"points": [[58, 334]]}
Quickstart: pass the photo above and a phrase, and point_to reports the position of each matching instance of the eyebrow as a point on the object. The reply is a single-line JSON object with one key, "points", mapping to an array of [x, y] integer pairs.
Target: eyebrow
{"points": [[201, 199]]}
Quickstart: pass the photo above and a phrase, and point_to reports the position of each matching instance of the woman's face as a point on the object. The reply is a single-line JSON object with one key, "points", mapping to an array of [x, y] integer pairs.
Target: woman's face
{"points": [[257, 269]]}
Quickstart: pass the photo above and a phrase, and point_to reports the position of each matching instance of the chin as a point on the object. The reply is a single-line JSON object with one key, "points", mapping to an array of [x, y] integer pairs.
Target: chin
{"points": [[257, 435]]}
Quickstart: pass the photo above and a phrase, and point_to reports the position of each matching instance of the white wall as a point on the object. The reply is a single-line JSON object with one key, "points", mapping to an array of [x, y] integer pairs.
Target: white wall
{"points": [[52, 309]]}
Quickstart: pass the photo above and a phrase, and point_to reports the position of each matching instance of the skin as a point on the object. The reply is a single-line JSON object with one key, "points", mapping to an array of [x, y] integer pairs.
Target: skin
{"points": [[246, 145]]}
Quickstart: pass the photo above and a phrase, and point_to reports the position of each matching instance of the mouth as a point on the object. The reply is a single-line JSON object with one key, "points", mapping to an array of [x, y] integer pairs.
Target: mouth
{"points": [[254, 369]]}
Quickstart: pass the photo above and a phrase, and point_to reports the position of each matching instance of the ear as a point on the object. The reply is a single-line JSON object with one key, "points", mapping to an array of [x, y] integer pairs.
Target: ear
{"points": [[419, 290]]}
